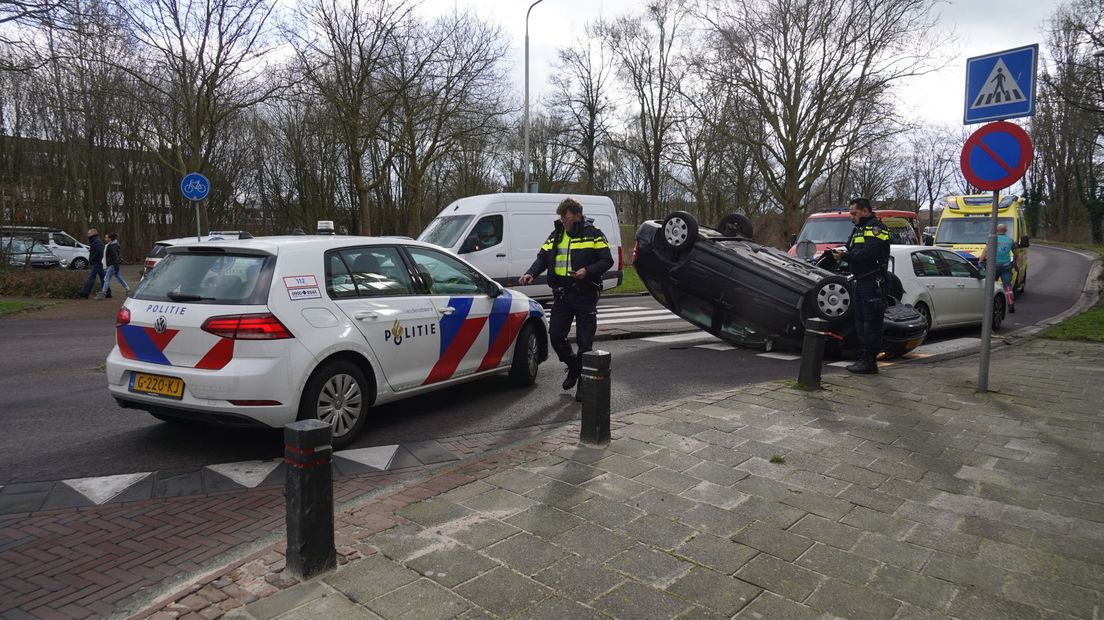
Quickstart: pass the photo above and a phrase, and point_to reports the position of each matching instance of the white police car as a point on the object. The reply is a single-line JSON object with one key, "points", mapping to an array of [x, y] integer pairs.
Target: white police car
{"points": [[265, 331]]}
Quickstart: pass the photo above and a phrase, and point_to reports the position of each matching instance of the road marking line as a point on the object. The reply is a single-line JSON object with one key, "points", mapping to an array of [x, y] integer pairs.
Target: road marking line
{"points": [[640, 319], [682, 338], [715, 346], [788, 357]]}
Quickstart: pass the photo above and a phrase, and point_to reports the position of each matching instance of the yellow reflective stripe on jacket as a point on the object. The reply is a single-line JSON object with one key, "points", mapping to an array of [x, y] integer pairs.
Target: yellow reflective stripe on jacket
{"points": [[591, 244], [563, 256], [882, 234]]}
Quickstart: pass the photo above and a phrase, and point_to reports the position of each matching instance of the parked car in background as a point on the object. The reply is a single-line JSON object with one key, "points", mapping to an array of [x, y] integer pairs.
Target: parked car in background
{"points": [[264, 332], [754, 295], [24, 252], [832, 228], [944, 287], [161, 248], [72, 253]]}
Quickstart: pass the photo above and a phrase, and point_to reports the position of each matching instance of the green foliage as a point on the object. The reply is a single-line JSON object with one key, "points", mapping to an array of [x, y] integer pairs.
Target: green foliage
{"points": [[1088, 326], [13, 306], [42, 283], [778, 459]]}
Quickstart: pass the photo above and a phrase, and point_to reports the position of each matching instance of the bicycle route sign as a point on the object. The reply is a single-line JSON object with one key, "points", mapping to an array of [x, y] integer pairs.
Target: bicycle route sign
{"points": [[1001, 85], [996, 156], [195, 186]]}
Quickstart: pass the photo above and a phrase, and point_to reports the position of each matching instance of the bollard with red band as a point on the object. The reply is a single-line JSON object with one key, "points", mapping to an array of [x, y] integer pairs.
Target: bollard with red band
{"points": [[308, 495]]}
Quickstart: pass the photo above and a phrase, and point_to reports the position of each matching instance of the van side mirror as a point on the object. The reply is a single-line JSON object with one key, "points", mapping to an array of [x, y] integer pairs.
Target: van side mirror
{"points": [[1024, 241], [929, 239], [793, 240], [471, 244]]}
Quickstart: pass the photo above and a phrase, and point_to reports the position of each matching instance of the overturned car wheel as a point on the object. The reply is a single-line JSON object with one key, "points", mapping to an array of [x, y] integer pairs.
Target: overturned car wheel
{"points": [[735, 225], [831, 299], [680, 230]]}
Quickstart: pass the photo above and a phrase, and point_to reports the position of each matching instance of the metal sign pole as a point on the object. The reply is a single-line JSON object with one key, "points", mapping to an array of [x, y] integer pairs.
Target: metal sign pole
{"points": [[199, 235], [990, 282]]}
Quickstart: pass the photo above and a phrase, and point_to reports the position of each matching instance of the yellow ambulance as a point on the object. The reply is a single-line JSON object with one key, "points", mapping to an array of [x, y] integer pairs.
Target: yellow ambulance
{"points": [[965, 223]]}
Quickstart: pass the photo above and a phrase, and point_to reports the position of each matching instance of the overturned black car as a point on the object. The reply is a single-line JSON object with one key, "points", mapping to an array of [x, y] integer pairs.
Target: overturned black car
{"points": [[753, 295]]}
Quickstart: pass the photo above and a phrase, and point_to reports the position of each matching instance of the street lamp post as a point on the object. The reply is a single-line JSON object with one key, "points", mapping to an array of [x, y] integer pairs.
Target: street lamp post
{"points": [[525, 163]]}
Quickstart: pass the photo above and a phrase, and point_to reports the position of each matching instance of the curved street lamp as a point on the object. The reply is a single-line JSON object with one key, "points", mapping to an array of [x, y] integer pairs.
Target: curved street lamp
{"points": [[525, 165]]}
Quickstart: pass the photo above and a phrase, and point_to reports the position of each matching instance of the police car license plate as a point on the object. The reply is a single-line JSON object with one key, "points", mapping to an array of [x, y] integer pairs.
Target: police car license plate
{"points": [[157, 385]]}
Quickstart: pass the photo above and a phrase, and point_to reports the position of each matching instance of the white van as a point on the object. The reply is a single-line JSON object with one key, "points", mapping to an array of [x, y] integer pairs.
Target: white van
{"points": [[501, 234], [72, 253]]}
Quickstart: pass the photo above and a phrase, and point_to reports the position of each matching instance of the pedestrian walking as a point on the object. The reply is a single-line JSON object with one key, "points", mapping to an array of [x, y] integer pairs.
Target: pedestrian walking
{"points": [[1007, 253], [867, 255], [95, 264], [113, 259], [576, 255]]}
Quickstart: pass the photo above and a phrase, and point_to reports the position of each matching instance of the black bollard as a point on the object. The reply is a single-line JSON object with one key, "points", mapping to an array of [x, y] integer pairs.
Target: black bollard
{"points": [[812, 354], [594, 386], [308, 495]]}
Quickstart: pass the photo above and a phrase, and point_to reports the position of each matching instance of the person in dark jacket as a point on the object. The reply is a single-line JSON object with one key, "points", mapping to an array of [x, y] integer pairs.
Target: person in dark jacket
{"points": [[576, 255], [113, 254], [95, 265], [867, 255]]}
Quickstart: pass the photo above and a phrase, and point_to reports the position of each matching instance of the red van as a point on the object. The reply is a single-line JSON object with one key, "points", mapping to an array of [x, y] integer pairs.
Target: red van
{"points": [[829, 229]]}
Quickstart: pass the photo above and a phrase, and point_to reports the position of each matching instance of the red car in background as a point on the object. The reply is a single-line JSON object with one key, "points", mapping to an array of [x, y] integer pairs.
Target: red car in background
{"points": [[829, 229]]}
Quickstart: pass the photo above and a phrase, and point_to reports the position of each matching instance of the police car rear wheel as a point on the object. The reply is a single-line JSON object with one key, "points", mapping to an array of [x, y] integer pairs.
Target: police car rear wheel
{"points": [[338, 395], [523, 370]]}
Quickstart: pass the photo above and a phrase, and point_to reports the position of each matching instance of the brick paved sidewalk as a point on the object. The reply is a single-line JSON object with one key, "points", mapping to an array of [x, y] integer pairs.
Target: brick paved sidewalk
{"points": [[904, 495]]}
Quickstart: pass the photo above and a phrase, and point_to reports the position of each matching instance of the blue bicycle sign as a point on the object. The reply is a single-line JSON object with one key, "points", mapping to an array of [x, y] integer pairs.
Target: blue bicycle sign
{"points": [[195, 186]]}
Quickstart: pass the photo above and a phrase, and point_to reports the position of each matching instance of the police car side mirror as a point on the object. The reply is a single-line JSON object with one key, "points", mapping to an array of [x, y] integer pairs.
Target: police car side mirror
{"points": [[493, 289], [1024, 241]]}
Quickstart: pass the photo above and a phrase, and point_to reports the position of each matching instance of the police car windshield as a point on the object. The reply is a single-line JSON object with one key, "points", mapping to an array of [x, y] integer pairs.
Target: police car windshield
{"points": [[209, 278], [828, 230], [445, 231], [968, 229]]}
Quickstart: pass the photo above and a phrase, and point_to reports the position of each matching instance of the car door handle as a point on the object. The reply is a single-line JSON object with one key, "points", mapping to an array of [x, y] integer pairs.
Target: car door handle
{"points": [[446, 310], [364, 315], [930, 285], [961, 285], [500, 256]]}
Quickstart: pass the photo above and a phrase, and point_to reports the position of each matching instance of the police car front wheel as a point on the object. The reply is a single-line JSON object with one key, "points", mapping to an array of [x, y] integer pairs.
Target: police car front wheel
{"points": [[523, 370], [338, 394]]}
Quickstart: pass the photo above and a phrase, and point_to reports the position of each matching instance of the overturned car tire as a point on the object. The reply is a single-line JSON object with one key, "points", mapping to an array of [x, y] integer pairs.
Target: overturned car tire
{"points": [[680, 231], [831, 299], [736, 225]]}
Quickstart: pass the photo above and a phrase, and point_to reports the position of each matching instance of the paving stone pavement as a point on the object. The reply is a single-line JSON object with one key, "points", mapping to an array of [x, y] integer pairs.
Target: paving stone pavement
{"points": [[902, 495]]}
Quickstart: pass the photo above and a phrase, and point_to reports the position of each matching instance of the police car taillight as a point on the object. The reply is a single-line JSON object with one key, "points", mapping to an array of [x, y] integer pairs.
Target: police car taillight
{"points": [[247, 327], [122, 317]]}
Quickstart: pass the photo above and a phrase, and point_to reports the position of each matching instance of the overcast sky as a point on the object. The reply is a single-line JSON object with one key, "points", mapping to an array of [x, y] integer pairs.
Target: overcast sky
{"points": [[979, 27]]}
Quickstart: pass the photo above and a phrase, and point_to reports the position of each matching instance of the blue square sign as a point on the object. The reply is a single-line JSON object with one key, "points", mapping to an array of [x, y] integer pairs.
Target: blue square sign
{"points": [[1001, 85]]}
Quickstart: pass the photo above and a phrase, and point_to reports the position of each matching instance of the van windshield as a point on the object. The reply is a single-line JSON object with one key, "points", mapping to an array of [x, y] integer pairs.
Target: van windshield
{"points": [[834, 230], [968, 229], [445, 231]]}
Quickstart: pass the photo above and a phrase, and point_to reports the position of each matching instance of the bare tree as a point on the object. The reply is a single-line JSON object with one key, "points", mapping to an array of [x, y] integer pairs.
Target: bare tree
{"points": [[646, 48], [819, 73], [932, 157], [582, 85]]}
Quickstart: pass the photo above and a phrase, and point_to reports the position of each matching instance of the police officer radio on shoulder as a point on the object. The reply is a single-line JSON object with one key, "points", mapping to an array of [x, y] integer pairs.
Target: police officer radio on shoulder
{"points": [[576, 256], [867, 255]]}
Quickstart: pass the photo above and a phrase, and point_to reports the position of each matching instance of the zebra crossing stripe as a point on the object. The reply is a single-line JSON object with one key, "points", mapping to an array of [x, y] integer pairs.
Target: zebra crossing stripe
{"points": [[682, 338]]}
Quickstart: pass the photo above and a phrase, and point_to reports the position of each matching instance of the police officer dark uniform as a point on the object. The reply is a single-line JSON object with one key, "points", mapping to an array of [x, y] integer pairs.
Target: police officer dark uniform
{"points": [[576, 255], [867, 255]]}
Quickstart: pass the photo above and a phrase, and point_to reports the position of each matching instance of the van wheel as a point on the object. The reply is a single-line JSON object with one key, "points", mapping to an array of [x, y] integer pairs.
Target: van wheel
{"points": [[79, 263], [338, 394], [680, 230], [831, 299], [523, 370]]}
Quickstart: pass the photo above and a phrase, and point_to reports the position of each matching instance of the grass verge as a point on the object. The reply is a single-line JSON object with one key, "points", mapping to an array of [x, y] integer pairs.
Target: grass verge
{"points": [[11, 307], [630, 282]]}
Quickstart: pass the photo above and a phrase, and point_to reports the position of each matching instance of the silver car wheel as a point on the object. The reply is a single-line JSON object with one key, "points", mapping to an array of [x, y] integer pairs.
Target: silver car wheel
{"points": [[676, 232], [833, 299], [340, 402]]}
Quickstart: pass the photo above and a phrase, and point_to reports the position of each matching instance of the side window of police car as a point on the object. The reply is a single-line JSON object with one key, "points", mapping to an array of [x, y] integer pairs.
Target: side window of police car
{"points": [[367, 272], [444, 275]]}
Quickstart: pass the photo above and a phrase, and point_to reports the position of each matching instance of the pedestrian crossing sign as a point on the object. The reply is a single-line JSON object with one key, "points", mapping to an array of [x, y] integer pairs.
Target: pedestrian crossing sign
{"points": [[1001, 85]]}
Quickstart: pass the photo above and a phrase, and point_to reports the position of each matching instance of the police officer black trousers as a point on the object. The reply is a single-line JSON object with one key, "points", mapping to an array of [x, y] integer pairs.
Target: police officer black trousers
{"points": [[581, 306], [869, 315]]}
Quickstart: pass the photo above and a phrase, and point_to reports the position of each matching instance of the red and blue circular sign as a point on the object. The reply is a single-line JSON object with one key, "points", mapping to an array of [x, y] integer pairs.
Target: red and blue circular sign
{"points": [[996, 156]]}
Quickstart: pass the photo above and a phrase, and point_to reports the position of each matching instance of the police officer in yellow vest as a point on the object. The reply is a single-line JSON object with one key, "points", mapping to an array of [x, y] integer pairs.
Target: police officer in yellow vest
{"points": [[576, 255], [867, 255]]}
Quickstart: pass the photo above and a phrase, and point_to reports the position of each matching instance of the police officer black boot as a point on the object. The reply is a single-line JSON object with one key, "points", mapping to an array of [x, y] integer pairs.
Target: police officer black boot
{"points": [[574, 369], [865, 366]]}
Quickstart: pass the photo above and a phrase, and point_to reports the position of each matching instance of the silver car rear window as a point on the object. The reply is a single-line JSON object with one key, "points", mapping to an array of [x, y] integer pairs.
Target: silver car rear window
{"points": [[214, 278]]}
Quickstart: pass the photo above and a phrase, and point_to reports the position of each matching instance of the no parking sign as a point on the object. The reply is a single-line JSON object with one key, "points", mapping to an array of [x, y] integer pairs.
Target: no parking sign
{"points": [[996, 156]]}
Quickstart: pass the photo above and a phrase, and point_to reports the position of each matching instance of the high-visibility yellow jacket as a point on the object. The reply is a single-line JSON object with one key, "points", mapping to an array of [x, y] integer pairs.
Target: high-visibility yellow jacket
{"points": [[565, 251]]}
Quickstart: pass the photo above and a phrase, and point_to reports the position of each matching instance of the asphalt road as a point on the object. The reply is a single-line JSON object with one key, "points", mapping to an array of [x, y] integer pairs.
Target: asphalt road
{"points": [[58, 422]]}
